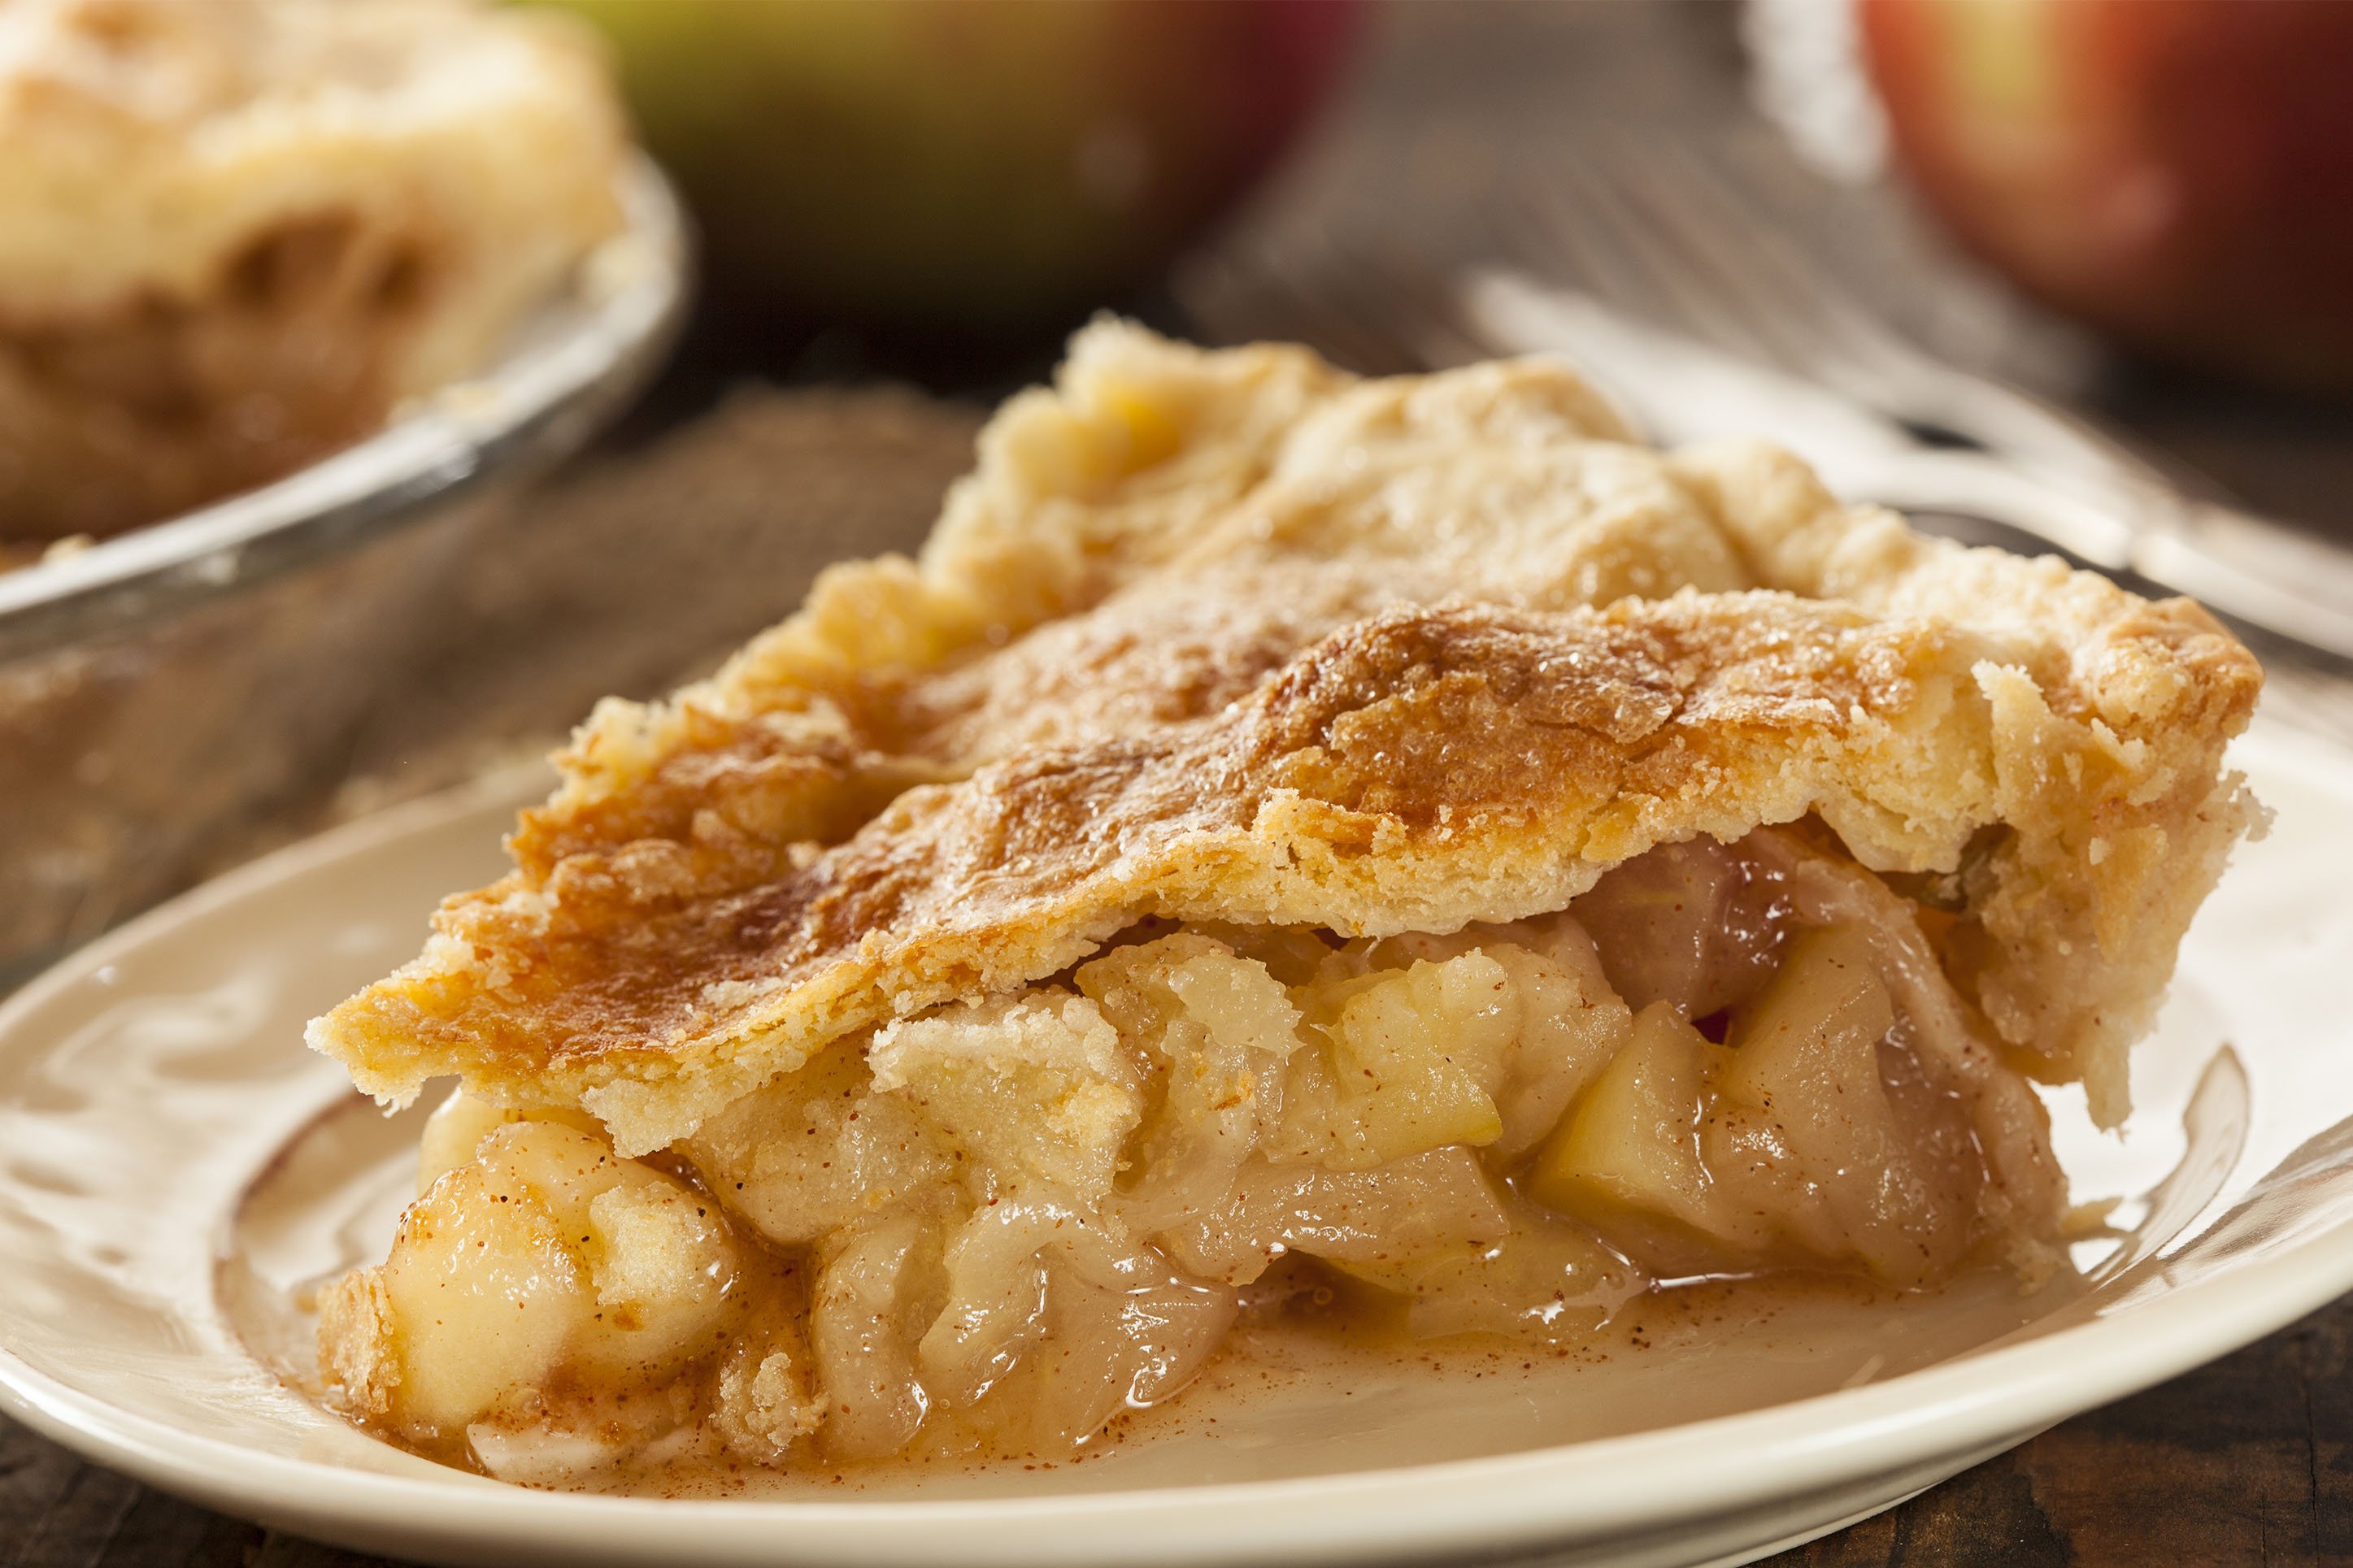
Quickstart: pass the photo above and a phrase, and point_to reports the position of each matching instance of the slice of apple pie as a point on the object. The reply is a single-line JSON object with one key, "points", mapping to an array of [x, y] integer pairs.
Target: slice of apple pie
{"points": [[1287, 833]]}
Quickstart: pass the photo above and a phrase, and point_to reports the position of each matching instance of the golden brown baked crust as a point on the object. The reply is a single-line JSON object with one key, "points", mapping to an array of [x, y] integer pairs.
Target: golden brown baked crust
{"points": [[233, 233], [1234, 637]]}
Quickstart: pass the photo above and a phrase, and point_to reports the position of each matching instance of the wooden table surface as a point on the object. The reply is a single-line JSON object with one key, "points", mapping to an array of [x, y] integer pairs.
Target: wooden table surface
{"points": [[2247, 1461]]}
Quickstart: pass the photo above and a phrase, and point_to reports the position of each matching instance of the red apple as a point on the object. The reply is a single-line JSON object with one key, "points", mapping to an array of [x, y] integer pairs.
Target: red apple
{"points": [[2179, 173], [963, 162]]}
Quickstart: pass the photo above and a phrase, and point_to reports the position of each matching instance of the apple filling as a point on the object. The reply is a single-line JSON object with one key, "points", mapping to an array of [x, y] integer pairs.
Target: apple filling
{"points": [[994, 1227]]}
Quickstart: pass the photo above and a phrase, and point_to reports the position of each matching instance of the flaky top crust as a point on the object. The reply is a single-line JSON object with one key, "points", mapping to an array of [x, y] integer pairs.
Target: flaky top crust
{"points": [[1236, 636]]}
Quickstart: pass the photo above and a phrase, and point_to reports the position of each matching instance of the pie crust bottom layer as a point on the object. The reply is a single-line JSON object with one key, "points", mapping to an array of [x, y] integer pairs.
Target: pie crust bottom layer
{"points": [[994, 1227]]}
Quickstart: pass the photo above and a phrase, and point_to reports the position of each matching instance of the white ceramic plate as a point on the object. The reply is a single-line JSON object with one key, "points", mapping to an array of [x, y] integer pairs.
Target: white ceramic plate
{"points": [[174, 1166]]}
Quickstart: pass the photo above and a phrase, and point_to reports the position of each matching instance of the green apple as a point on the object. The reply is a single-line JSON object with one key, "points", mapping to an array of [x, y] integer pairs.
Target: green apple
{"points": [[975, 163]]}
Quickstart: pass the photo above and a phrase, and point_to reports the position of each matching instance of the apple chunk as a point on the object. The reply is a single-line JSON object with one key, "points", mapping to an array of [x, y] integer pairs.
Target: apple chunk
{"points": [[1419, 1055], [542, 1261], [1807, 1059], [1817, 1027], [1787, 1146], [1628, 1157]]}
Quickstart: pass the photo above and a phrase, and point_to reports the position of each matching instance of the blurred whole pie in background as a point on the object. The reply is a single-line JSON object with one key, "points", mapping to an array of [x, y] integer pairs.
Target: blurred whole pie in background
{"points": [[235, 235]]}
